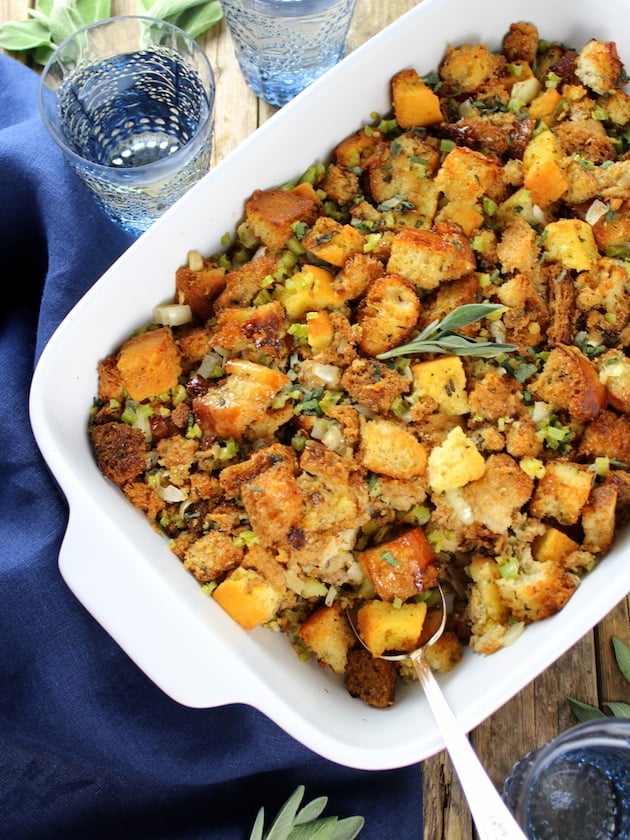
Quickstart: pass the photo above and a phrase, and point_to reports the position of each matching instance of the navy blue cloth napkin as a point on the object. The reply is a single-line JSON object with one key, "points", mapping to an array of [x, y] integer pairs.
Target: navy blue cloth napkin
{"points": [[89, 747]]}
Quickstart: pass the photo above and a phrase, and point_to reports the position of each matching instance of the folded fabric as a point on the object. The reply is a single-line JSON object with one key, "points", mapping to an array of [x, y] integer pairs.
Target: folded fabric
{"points": [[90, 748]]}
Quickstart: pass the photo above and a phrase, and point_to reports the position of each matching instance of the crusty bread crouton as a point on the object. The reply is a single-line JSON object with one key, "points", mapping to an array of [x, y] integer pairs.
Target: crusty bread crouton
{"points": [[242, 284], [110, 384], [499, 494], [119, 450], [428, 257], [387, 314], [358, 273], [247, 597], [271, 214], [258, 333], [444, 654], [199, 287], [539, 591], [373, 384], [455, 462], [414, 102], [467, 67], [614, 374], [340, 184], [401, 567], [373, 680], [607, 436], [494, 395], [386, 627], [520, 42], [444, 380], [562, 492], [149, 364], [328, 635], [389, 448], [464, 178], [599, 67], [569, 381], [599, 518], [604, 295], [211, 556]]}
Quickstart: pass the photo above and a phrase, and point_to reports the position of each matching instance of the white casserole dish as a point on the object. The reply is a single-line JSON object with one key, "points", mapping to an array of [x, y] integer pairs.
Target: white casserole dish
{"points": [[124, 573]]}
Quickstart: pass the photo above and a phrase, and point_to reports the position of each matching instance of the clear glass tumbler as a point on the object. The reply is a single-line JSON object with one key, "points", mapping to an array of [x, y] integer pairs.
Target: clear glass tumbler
{"points": [[577, 787], [284, 45], [129, 101]]}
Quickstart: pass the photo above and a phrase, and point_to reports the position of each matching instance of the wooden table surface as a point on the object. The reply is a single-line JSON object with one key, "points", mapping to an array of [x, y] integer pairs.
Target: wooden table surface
{"points": [[588, 670]]}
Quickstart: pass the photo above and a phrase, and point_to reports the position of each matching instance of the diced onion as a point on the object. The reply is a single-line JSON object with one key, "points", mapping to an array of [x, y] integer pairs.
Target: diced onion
{"points": [[513, 633], [170, 493], [461, 507], [595, 212], [172, 314], [326, 373], [524, 91], [195, 261]]}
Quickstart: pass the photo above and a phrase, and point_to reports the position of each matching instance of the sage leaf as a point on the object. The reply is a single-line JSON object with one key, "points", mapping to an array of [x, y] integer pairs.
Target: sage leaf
{"points": [[23, 35], [283, 823], [257, 830], [311, 810], [621, 710], [198, 20], [468, 314], [584, 711], [171, 8], [622, 655]]}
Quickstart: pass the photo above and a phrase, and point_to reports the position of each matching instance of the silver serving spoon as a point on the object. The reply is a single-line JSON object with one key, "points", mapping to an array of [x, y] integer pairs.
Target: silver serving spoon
{"points": [[491, 816]]}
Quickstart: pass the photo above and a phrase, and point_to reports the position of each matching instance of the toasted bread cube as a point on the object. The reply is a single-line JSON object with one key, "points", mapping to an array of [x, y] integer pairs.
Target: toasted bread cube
{"points": [[199, 288], [444, 380], [570, 381], [247, 597], [390, 449], [387, 314], [614, 374], [385, 627], [500, 493], [309, 290], [271, 214], [414, 102], [599, 67], [599, 518], [211, 556], [401, 567], [544, 177], [553, 546], [571, 243], [333, 242], [427, 257], [238, 404], [328, 635], [468, 66], [455, 462], [562, 492], [149, 364], [373, 680]]}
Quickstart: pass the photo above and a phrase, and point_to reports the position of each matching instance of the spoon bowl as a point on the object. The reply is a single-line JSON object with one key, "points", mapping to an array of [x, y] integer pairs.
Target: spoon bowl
{"points": [[491, 816]]}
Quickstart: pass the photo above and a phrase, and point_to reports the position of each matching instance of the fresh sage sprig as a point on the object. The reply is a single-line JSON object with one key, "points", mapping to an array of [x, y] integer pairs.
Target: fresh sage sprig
{"points": [[585, 711], [295, 823], [50, 22], [441, 336]]}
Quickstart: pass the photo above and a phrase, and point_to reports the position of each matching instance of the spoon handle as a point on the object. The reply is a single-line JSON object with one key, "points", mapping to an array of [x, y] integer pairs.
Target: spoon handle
{"points": [[491, 816]]}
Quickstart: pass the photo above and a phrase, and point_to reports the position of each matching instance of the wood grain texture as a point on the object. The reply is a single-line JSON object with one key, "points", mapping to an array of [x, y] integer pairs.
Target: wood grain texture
{"points": [[588, 670]]}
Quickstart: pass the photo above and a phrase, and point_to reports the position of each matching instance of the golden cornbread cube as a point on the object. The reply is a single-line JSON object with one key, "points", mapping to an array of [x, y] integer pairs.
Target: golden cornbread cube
{"points": [[562, 492], [320, 330], [401, 567], [387, 314], [544, 176], [414, 102], [455, 462], [309, 290], [333, 242], [571, 243], [247, 597], [238, 404], [149, 364], [352, 151], [444, 380], [390, 449], [271, 214], [553, 546], [328, 635], [545, 104], [384, 627], [427, 257]]}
